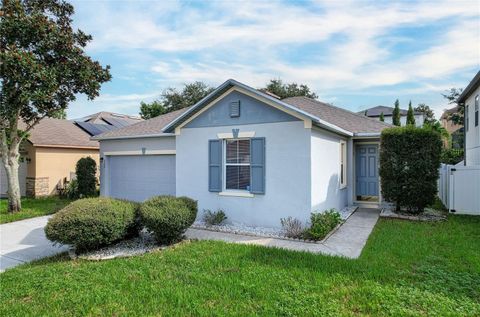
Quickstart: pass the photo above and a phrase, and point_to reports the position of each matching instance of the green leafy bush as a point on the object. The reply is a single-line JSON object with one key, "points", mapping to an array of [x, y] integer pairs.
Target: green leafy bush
{"points": [[321, 223], [451, 156], [71, 191], [167, 217], [86, 180], [91, 223], [212, 218], [409, 162], [192, 205]]}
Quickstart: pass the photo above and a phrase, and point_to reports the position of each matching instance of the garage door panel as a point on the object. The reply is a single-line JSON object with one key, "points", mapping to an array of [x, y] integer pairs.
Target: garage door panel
{"points": [[139, 177]]}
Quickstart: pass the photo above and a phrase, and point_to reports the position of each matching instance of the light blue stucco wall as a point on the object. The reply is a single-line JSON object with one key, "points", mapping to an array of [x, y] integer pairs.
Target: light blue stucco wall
{"points": [[252, 111], [326, 192], [287, 178]]}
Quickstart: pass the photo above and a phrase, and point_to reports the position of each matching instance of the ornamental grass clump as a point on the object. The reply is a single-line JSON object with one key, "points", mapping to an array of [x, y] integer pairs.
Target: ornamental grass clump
{"points": [[168, 217], [91, 223], [212, 218]]}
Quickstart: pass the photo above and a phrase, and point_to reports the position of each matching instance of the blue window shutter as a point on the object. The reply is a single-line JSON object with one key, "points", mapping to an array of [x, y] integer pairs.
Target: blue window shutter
{"points": [[257, 165], [215, 165]]}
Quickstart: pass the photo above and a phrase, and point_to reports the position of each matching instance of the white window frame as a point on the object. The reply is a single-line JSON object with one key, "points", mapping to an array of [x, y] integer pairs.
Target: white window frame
{"points": [[343, 165], [233, 192]]}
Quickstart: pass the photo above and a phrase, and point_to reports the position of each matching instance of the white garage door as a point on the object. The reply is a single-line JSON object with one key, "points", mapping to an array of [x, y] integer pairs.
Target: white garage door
{"points": [[139, 177], [22, 178]]}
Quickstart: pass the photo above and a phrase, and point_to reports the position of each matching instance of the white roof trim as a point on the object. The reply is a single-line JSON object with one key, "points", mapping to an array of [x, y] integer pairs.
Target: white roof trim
{"points": [[367, 134]]}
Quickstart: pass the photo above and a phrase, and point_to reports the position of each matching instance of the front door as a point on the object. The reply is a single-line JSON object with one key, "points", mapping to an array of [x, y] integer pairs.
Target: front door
{"points": [[366, 172]]}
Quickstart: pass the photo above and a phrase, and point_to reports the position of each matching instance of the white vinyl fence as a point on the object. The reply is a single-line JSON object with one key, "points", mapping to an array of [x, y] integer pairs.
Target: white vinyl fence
{"points": [[459, 188]]}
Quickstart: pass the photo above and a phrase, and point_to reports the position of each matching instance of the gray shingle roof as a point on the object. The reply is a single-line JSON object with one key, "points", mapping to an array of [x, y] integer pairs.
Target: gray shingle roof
{"points": [[59, 132], [152, 126], [340, 117]]}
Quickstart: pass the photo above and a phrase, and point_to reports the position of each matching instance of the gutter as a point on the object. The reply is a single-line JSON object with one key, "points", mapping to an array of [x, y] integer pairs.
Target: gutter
{"points": [[367, 134]]}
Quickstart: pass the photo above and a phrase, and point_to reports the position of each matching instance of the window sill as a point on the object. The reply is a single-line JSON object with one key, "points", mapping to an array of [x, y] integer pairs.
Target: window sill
{"points": [[236, 194]]}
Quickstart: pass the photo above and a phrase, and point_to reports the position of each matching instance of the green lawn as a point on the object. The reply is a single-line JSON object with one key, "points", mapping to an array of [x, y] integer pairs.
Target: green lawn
{"points": [[406, 268], [32, 207]]}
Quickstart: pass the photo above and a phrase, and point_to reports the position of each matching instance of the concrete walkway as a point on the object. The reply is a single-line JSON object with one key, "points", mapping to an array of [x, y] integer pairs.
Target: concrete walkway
{"points": [[348, 241], [24, 241]]}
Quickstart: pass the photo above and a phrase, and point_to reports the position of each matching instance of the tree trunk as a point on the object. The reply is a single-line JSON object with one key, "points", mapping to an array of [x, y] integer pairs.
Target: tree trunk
{"points": [[14, 202], [10, 156]]}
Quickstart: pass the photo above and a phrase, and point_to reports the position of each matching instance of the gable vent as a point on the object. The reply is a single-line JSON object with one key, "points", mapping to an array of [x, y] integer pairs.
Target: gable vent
{"points": [[235, 109]]}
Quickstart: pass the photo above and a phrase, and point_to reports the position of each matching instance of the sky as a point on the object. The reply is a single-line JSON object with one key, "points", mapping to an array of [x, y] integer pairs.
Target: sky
{"points": [[353, 54]]}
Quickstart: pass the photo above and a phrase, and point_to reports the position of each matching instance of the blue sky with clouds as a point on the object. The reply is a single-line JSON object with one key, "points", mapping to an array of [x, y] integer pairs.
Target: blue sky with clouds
{"points": [[354, 54]]}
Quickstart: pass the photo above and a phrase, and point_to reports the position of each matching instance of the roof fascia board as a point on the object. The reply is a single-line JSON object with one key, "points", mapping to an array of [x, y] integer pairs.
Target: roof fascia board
{"points": [[366, 135]]}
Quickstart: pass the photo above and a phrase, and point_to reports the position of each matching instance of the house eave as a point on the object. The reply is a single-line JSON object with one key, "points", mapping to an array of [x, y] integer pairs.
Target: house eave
{"points": [[364, 135]]}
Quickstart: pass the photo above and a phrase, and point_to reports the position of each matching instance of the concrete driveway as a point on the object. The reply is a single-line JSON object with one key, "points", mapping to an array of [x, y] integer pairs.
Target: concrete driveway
{"points": [[24, 241]]}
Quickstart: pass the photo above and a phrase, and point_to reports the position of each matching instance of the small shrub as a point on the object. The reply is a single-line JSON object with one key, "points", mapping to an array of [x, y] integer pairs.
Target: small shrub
{"points": [[292, 227], [167, 217], [192, 205], [86, 180], [322, 224], [71, 191], [451, 156], [91, 223], [214, 218]]}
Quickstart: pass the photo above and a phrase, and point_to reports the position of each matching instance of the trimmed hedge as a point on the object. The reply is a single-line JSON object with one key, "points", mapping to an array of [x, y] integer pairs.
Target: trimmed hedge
{"points": [[85, 170], [409, 162], [91, 223], [168, 217]]}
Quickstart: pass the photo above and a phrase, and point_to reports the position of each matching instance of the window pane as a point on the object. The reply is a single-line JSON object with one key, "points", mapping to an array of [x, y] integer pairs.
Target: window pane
{"points": [[232, 151], [244, 151], [238, 177]]}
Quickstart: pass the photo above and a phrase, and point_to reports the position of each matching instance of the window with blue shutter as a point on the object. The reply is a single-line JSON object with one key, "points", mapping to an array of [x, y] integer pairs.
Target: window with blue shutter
{"points": [[257, 165], [215, 165]]}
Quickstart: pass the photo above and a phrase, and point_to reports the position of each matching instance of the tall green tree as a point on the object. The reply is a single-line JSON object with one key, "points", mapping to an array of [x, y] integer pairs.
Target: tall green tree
{"points": [[396, 114], [173, 99], [410, 114], [43, 67], [428, 115], [285, 90], [452, 95], [382, 117]]}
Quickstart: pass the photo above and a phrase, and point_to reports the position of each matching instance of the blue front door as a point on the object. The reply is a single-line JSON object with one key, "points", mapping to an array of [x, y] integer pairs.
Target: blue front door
{"points": [[366, 171]]}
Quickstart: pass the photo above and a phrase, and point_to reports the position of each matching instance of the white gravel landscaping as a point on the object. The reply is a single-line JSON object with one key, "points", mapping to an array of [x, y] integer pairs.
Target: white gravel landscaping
{"points": [[144, 243]]}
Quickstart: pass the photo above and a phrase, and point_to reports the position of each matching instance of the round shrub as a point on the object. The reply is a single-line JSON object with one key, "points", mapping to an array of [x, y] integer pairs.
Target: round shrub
{"points": [[91, 223], [167, 217]]}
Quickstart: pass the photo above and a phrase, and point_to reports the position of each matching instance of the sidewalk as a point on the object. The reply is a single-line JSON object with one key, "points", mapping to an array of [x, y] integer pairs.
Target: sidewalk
{"points": [[348, 241]]}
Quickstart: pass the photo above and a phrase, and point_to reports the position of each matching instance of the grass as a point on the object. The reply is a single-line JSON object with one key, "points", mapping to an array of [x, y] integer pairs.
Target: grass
{"points": [[32, 207], [406, 268]]}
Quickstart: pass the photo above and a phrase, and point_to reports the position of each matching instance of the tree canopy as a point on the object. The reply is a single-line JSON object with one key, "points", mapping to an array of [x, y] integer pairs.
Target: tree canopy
{"points": [[410, 114], [452, 97], [44, 66], [428, 114], [396, 114], [172, 99], [285, 90]]}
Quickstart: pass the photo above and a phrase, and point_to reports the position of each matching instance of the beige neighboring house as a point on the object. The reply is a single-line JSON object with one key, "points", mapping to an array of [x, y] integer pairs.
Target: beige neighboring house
{"points": [[448, 124], [51, 152]]}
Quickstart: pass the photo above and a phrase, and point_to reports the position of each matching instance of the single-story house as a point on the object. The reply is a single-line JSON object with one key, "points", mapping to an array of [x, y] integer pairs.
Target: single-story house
{"points": [[254, 156], [376, 112], [50, 154]]}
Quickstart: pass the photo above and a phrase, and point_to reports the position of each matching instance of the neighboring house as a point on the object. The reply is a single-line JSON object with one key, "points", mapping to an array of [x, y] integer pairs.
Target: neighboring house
{"points": [[455, 130], [375, 113], [50, 154], [470, 98], [254, 156]]}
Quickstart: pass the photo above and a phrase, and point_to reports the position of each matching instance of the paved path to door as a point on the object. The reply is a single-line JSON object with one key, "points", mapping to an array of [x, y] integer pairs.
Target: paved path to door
{"points": [[348, 241], [24, 241]]}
